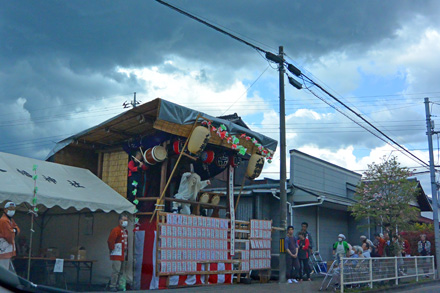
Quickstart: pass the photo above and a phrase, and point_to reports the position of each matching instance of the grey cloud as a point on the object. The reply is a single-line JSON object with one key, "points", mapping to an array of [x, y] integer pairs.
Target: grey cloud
{"points": [[62, 52]]}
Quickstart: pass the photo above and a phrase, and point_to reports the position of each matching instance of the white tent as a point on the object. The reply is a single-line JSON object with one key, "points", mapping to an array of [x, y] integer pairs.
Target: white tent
{"points": [[58, 185], [66, 199]]}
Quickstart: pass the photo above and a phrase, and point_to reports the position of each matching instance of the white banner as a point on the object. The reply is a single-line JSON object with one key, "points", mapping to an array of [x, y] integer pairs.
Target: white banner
{"points": [[231, 207]]}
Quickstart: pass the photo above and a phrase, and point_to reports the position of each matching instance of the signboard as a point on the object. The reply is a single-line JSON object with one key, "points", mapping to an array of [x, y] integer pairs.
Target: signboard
{"points": [[260, 244], [186, 240]]}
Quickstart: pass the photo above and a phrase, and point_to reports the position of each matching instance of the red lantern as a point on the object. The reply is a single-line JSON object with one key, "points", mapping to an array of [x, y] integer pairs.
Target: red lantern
{"points": [[207, 157]]}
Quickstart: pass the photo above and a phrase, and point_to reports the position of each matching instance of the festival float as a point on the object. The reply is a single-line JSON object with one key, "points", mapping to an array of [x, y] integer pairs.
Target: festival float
{"points": [[183, 236]]}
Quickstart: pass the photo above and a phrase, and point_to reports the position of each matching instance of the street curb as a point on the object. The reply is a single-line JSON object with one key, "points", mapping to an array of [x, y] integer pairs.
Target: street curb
{"points": [[406, 286]]}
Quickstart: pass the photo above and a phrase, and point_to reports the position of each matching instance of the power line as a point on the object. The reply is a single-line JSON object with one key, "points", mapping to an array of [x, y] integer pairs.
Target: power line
{"points": [[299, 74], [365, 120], [246, 90], [211, 26]]}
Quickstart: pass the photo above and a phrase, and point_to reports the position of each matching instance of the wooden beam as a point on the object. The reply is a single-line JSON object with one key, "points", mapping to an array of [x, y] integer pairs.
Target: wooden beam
{"points": [[118, 132]]}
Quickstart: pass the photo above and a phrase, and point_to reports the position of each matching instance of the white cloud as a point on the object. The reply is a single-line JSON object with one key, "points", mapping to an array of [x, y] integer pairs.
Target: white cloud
{"points": [[196, 87]]}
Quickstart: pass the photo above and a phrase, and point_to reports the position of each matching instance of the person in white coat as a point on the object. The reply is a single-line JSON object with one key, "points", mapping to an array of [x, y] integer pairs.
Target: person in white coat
{"points": [[190, 185]]}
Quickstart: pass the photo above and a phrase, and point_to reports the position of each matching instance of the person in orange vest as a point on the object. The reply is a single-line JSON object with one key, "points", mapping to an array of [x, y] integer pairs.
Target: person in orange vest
{"points": [[8, 231], [118, 246]]}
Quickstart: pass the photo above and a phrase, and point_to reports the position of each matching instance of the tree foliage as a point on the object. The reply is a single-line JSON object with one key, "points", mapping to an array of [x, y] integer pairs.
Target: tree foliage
{"points": [[384, 195]]}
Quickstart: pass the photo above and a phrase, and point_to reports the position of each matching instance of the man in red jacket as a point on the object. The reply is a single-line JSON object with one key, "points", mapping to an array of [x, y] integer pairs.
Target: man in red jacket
{"points": [[118, 246], [8, 231]]}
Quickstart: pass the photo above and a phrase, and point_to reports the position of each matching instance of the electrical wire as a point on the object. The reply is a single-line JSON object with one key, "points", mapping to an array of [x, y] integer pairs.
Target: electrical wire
{"points": [[210, 25], [365, 120], [246, 90]]}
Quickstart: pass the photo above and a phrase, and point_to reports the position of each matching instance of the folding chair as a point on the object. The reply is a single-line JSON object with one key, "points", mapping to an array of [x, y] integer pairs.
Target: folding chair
{"points": [[329, 275], [319, 266]]}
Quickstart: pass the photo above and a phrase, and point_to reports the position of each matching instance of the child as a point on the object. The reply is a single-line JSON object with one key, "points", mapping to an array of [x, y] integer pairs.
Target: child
{"points": [[303, 255]]}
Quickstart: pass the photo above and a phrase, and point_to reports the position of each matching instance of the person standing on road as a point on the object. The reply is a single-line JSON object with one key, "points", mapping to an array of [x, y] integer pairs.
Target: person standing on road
{"points": [[379, 244], [406, 247], [292, 263], [424, 249], [8, 231], [303, 255], [118, 246], [304, 227], [340, 248]]}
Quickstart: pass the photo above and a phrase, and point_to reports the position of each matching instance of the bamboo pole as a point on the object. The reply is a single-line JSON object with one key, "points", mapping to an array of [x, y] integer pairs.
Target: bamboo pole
{"points": [[175, 166], [239, 194]]}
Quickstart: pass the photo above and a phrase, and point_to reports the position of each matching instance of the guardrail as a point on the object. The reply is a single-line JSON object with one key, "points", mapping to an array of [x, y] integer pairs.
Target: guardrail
{"points": [[357, 272]]}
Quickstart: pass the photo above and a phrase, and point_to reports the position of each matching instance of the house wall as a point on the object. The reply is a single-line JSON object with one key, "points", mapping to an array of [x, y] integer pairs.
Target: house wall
{"points": [[332, 223], [114, 171], [78, 157], [315, 174]]}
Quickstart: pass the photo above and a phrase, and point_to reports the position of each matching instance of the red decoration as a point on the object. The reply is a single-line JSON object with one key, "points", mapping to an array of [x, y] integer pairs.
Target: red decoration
{"points": [[243, 135], [234, 146]]}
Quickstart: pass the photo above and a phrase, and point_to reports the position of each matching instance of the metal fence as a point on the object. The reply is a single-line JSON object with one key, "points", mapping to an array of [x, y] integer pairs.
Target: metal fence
{"points": [[358, 272]]}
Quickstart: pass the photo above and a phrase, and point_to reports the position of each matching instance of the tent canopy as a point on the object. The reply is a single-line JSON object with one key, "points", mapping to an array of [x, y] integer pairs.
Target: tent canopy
{"points": [[58, 185]]}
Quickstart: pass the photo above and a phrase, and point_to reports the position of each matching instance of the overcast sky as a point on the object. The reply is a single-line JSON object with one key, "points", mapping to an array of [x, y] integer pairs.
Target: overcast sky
{"points": [[68, 65]]}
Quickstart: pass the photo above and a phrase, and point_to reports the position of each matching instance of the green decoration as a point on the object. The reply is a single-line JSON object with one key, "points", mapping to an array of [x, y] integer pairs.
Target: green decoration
{"points": [[34, 201], [223, 127], [134, 192], [34, 168], [35, 189], [135, 211], [135, 201], [35, 177], [242, 151], [135, 183], [235, 140], [35, 209], [136, 220]]}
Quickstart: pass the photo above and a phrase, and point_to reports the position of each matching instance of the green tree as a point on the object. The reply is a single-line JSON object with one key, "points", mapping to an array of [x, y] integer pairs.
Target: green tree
{"points": [[384, 196]]}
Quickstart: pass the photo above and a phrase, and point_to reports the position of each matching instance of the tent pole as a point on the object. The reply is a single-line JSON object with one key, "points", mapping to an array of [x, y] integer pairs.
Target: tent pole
{"points": [[30, 247], [77, 240]]}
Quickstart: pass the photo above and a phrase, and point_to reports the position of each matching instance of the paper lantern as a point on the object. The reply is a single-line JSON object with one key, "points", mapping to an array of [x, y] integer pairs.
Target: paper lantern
{"points": [[178, 146], [207, 157], [198, 140], [255, 166]]}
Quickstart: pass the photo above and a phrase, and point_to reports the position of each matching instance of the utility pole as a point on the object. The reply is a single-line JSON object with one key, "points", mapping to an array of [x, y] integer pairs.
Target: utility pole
{"points": [[429, 129], [283, 195]]}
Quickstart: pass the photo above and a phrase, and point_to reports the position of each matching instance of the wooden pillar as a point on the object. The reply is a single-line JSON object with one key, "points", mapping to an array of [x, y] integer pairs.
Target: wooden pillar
{"points": [[100, 157], [163, 176]]}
